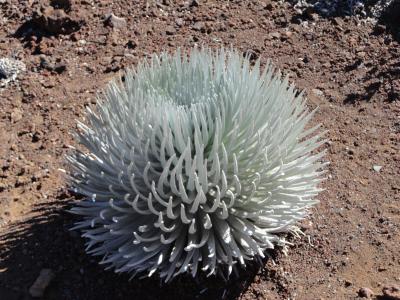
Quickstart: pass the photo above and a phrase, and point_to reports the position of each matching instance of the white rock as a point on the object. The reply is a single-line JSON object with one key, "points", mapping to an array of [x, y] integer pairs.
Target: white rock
{"points": [[317, 92], [114, 21], [9, 69], [376, 168]]}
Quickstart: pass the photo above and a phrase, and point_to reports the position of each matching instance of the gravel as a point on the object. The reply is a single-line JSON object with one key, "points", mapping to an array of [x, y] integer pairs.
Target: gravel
{"points": [[9, 70], [363, 8]]}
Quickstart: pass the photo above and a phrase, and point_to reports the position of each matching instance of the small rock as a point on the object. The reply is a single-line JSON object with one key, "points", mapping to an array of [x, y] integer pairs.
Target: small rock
{"points": [[275, 35], [179, 21], [170, 30], [391, 292], [288, 34], [194, 3], [347, 283], [49, 83], [21, 181], [36, 137], [41, 283], [338, 21], [199, 26], [313, 16], [376, 168], [132, 44], [306, 224], [317, 92], [365, 292], [16, 115], [58, 67], [361, 54], [43, 48], [9, 70], [114, 21]]}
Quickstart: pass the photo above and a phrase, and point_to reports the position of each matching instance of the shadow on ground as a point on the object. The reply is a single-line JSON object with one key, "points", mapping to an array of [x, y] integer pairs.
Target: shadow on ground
{"points": [[386, 80], [382, 79], [46, 242], [391, 20]]}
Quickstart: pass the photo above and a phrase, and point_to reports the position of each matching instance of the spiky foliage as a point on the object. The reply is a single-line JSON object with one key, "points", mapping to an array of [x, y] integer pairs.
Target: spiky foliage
{"points": [[194, 162]]}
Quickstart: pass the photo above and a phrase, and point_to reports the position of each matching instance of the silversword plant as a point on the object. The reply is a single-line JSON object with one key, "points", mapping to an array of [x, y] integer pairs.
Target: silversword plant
{"points": [[194, 162]]}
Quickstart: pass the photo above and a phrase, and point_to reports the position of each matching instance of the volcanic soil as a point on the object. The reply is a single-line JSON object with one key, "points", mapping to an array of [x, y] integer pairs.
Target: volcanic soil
{"points": [[349, 68]]}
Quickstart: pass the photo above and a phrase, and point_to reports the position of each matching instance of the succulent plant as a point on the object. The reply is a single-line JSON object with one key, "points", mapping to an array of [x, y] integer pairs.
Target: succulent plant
{"points": [[194, 162]]}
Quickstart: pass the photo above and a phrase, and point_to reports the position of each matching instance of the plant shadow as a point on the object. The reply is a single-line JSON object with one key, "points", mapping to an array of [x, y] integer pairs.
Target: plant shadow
{"points": [[45, 242]]}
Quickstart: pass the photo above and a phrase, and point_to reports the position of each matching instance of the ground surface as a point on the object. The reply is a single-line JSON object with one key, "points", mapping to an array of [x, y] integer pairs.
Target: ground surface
{"points": [[349, 68]]}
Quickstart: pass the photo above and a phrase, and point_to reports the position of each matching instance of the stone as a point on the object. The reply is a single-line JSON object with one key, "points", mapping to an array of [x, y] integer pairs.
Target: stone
{"points": [[58, 66], [179, 22], [317, 92], [9, 70], [338, 21], [41, 283], [275, 35], [391, 292], [288, 34], [198, 26], [365, 292], [194, 3], [114, 21], [170, 30], [377, 168], [16, 115]]}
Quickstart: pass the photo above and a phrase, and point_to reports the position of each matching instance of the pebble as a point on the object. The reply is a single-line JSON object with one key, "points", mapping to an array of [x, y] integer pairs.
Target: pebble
{"points": [[58, 67], [365, 292], [170, 30], [41, 283], [391, 292], [114, 21], [16, 115], [275, 35], [338, 21], [9, 70], [317, 92], [198, 26], [377, 168], [179, 22], [288, 34], [348, 283], [194, 3], [361, 54]]}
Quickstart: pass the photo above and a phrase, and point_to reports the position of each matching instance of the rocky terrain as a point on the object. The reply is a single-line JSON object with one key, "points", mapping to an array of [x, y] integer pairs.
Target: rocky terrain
{"points": [[69, 49]]}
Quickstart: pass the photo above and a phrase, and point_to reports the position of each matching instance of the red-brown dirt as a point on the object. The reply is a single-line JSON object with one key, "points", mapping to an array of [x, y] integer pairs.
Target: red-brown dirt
{"points": [[349, 68]]}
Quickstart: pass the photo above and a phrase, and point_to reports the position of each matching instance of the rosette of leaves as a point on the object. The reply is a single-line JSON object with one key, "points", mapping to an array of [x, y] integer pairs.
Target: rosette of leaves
{"points": [[194, 162]]}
